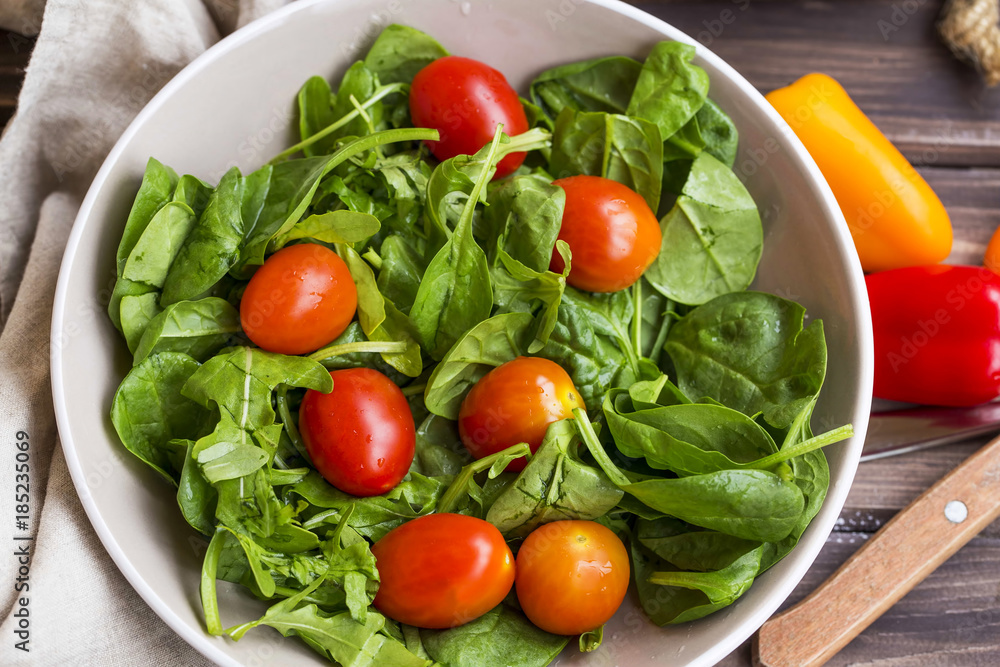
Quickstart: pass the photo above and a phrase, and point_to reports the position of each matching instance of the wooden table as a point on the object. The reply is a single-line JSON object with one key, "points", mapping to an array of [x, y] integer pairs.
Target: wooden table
{"points": [[889, 58]]}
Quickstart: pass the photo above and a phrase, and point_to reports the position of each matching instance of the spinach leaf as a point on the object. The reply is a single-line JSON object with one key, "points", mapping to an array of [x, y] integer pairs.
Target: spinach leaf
{"points": [[400, 52], [456, 293], [150, 413], [690, 548], [193, 192], [601, 84], [749, 351], [212, 247], [485, 346], [315, 101], [197, 328], [670, 597], [196, 497], [751, 504], [518, 288], [669, 89], [591, 342], [555, 485], [439, 449], [371, 305], [158, 183], [718, 133], [712, 237], [154, 253], [688, 439], [523, 218], [341, 226], [400, 272], [136, 312], [502, 636], [626, 149]]}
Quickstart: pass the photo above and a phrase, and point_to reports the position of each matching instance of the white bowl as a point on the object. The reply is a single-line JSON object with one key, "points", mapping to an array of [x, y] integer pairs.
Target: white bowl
{"points": [[235, 105]]}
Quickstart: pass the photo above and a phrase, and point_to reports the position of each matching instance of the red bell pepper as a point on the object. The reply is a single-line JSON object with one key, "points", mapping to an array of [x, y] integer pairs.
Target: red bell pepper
{"points": [[937, 334]]}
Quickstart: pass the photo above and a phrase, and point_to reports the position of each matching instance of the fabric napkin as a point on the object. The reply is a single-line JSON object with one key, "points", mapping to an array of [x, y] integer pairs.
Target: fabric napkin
{"points": [[95, 65]]}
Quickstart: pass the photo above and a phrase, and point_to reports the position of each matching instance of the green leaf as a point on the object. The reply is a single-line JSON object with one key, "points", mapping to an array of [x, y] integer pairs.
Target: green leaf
{"points": [[626, 149], [161, 242], [400, 52], [751, 504], [212, 247], [149, 412], [690, 548], [242, 380], [502, 636], [341, 226], [712, 237], [158, 183], [601, 84], [748, 350], [555, 485], [670, 89], [315, 101], [485, 346], [197, 328], [136, 313], [524, 216]]}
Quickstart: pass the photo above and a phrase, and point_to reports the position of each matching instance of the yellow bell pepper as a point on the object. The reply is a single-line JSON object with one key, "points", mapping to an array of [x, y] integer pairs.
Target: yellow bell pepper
{"points": [[895, 218]]}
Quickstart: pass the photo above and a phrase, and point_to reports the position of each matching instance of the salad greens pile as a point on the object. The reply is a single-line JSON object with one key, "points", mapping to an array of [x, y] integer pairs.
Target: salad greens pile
{"points": [[695, 445]]}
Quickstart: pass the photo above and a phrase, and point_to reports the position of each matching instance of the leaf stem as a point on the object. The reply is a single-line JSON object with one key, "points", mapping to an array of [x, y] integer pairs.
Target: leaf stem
{"points": [[637, 316], [461, 482], [804, 447], [661, 337], [379, 347], [209, 570], [380, 93], [281, 398], [589, 437]]}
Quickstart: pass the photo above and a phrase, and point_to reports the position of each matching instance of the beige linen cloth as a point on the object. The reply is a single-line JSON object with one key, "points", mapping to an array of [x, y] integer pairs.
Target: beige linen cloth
{"points": [[95, 65]]}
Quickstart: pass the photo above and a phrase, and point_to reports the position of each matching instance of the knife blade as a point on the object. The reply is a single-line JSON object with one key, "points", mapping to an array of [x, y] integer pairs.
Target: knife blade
{"points": [[896, 432]]}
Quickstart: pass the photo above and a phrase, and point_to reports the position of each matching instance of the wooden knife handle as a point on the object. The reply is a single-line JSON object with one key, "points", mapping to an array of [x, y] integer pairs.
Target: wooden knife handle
{"points": [[898, 557]]}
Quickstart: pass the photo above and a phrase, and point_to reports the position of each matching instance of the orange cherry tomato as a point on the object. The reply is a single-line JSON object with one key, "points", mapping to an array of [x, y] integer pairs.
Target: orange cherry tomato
{"points": [[895, 218], [442, 570], [360, 436], [992, 258], [299, 300], [611, 231], [514, 403], [571, 576], [464, 100]]}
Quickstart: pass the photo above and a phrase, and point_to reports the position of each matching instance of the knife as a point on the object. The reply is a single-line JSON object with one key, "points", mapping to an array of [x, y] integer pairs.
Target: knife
{"points": [[902, 431]]}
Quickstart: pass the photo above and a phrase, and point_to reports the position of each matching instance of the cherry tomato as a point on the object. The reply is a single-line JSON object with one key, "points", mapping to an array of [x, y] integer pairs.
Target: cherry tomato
{"points": [[464, 99], [513, 403], [360, 436], [571, 576], [442, 570], [613, 234], [299, 300]]}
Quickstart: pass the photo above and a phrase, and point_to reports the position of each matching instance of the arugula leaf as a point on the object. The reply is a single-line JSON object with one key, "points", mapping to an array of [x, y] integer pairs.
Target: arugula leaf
{"points": [[150, 413], [555, 485], [750, 352], [626, 149]]}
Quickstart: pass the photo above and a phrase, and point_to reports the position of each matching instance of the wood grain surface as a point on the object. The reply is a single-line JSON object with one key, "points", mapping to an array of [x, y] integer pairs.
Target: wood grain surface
{"points": [[887, 55]]}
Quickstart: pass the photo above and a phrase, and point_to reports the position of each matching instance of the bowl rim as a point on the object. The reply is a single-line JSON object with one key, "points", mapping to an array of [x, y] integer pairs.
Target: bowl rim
{"points": [[807, 549]]}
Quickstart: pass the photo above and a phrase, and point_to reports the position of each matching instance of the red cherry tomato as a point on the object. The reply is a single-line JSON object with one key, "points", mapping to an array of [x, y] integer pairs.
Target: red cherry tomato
{"points": [[513, 403], [299, 300], [571, 576], [613, 234], [360, 436], [464, 99], [442, 570]]}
